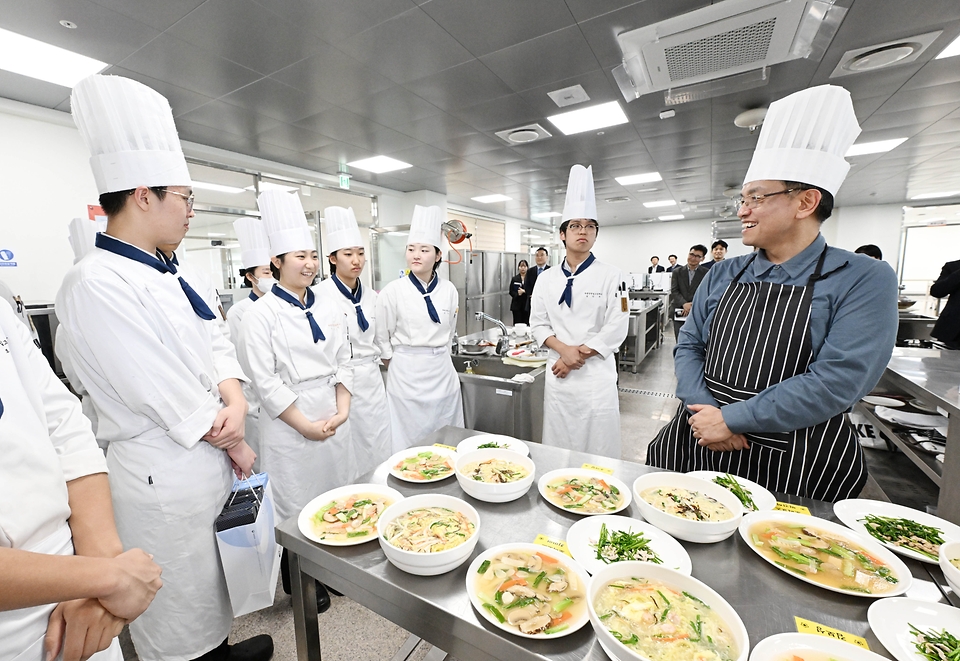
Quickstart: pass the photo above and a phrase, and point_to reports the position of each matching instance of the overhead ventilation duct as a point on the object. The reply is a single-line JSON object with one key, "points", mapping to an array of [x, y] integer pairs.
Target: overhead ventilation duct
{"points": [[725, 39]]}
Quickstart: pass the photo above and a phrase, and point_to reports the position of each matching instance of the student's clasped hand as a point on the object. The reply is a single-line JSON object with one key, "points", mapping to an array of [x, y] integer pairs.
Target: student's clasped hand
{"points": [[712, 432]]}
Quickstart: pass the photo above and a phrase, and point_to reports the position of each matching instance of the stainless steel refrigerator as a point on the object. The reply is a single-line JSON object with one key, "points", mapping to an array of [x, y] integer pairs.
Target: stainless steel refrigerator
{"points": [[482, 279]]}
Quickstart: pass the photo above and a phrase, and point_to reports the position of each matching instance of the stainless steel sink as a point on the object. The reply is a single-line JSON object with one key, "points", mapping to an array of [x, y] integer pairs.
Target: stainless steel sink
{"points": [[494, 403]]}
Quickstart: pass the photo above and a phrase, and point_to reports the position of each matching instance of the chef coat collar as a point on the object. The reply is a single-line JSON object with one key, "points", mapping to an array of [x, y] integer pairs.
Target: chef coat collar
{"points": [[797, 265]]}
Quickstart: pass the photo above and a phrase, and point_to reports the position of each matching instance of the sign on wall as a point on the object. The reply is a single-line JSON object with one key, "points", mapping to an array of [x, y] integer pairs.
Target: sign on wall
{"points": [[7, 258]]}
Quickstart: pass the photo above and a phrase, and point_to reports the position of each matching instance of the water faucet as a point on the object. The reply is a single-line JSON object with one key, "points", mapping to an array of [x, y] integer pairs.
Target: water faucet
{"points": [[504, 342]]}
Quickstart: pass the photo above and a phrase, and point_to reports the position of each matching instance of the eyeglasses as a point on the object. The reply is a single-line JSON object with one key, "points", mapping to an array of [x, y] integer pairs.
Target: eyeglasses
{"points": [[189, 198], [576, 227], [753, 201]]}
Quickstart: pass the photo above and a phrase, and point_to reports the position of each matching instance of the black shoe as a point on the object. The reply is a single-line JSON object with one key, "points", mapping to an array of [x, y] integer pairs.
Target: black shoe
{"points": [[323, 599], [258, 648]]}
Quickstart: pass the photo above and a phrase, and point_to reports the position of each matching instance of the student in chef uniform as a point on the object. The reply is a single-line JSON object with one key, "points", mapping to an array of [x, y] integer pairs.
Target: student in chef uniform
{"points": [[141, 342], [416, 322], [293, 346], [63, 572], [577, 313], [255, 259], [781, 342], [19, 309], [369, 421]]}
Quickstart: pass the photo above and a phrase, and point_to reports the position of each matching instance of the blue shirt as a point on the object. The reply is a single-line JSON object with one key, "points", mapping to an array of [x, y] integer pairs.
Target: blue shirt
{"points": [[853, 327]]}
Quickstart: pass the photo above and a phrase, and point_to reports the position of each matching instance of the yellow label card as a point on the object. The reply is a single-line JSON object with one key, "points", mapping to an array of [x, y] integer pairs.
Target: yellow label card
{"points": [[602, 469], [789, 507], [551, 543], [806, 626], [445, 447]]}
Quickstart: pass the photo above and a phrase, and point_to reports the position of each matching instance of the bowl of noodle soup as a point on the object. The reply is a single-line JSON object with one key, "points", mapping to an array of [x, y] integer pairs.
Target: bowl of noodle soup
{"points": [[429, 534]]}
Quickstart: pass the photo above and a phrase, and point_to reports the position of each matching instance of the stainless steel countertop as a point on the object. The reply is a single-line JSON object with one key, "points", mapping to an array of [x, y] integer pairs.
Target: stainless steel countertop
{"points": [[438, 609], [935, 372]]}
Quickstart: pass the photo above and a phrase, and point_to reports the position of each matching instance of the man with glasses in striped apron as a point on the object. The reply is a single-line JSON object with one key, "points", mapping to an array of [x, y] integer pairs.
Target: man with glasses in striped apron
{"points": [[781, 342]]}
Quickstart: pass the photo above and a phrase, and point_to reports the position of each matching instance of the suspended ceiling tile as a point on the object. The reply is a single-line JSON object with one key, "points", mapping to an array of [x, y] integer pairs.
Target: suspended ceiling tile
{"points": [[500, 114], [33, 91], [384, 141], [230, 118], [460, 86], [184, 65], [544, 60], [429, 157], [158, 15], [342, 152], [436, 128], [337, 20], [338, 123], [392, 107], [490, 25], [273, 99], [181, 100], [294, 137], [334, 76], [406, 47], [214, 137]]}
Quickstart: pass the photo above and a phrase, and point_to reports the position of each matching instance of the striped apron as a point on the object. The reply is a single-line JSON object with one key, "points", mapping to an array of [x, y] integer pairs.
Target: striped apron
{"points": [[760, 336]]}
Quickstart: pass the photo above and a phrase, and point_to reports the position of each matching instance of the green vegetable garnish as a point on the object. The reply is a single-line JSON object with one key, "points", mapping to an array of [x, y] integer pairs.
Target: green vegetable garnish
{"points": [[936, 646], [484, 566], [916, 537], [728, 481], [622, 545], [496, 613]]}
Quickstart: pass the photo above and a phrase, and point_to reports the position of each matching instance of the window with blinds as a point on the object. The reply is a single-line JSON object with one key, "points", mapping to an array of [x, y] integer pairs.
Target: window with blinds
{"points": [[487, 234]]}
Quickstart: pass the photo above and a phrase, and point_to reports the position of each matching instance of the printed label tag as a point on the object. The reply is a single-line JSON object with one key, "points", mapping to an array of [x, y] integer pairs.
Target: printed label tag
{"points": [[551, 543], [806, 626], [445, 447], [789, 507], [594, 467]]}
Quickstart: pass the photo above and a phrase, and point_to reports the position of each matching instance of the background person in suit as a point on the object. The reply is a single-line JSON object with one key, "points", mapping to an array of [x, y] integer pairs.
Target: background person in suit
{"points": [[719, 252], [673, 263], [520, 305], [684, 285], [540, 259], [947, 328], [655, 265]]}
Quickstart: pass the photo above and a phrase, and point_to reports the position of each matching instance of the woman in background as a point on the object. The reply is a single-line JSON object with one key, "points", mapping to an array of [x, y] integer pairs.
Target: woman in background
{"points": [[520, 305]]}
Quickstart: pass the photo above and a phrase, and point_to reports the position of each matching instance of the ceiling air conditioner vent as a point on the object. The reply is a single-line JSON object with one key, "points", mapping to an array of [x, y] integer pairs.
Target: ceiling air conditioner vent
{"points": [[721, 40]]}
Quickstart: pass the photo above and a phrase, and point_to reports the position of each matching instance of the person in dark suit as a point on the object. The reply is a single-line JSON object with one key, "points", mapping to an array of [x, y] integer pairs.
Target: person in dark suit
{"points": [[673, 264], [655, 265], [520, 305], [684, 285], [719, 252], [947, 328], [540, 258]]}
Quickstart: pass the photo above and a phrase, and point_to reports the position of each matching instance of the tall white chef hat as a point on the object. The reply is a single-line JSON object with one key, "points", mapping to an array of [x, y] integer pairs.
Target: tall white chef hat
{"points": [[804, 138], [581, 201], [254, 244], [82, 235], [425, 226], [285, 222], [342, 229], [129, 131]]}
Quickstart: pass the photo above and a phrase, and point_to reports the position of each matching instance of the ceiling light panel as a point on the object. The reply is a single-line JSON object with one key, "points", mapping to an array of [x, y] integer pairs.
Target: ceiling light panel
{"points": [[660, 203], [933, 196], [676, 216], [589, 119], [489, 199], [877, 147], [547, 214], [219, 188], [37, 59], [645, 178], [951, 50], [379, 164]]}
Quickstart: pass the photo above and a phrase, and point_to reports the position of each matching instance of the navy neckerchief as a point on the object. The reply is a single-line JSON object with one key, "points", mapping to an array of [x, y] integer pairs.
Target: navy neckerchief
{"points": [[567, 296], [117, 247], [292, 300], [355, 299], [426, 294], [199, 306], [253, 296]]}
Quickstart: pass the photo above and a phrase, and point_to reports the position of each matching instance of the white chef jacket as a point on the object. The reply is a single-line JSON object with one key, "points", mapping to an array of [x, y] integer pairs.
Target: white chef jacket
{"points": [[251, 432], [363, 344], [235, 315], [399, 321], [61, 346], [46, 442], [203, 285], [581, 412], [19, 309]]}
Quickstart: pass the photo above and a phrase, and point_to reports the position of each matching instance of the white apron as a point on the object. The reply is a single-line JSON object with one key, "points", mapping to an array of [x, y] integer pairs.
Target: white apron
{"points": [[590, 394], [301, 469], [369, 417], [423, 394], [166, 499], [22, 630]]}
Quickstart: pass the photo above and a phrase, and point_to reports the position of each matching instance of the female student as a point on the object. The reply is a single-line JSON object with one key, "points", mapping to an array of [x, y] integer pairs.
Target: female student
{"points": [[416, 321], [369, 423], [520, 305], [293, 348]]}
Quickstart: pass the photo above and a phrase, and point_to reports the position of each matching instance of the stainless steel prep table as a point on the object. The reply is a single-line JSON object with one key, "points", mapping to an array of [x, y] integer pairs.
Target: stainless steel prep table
{"points": [[438, 610]]}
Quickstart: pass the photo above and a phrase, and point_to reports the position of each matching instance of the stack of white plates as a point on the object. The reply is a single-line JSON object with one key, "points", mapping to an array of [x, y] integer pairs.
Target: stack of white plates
{"points": [[919, 420]]}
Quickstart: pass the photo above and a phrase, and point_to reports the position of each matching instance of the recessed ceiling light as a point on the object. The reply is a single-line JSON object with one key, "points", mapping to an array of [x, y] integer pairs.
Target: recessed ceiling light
{"points": [[877, 147], [645, 178], [546, 214], [931, 196], [489, 199], [953, 48], [590, 119], [618, 199], [677, 216], [660, 203], [220, 188], [43, 61], [269, 185], [215, 234], [379, 164]]}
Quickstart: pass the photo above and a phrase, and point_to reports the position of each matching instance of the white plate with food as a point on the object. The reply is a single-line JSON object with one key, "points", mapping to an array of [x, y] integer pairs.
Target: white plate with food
{"points": [[622, 539], [425, 463], [809, 647], [907, 531], [483, 441], [583, 491], [825, 554], [878, 400], [893, 620], [918, 420], [529, 590], [751, 495], [641, 611], [346, 515], [525, 356]]}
